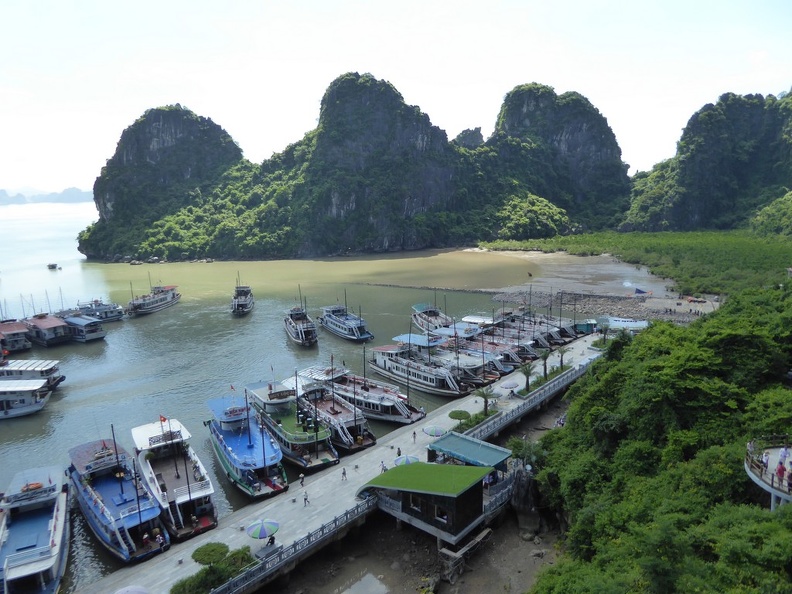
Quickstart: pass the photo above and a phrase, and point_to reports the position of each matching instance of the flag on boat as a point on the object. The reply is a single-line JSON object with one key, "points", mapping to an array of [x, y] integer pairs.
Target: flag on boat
{"points": [[163, 419]]}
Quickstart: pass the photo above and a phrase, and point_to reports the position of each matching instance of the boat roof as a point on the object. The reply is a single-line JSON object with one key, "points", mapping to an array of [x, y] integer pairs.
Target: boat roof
{"points": [[29, 364], [11, 326], [471, 450], [90, 456], [164, 287], [228, 409], [25, 385], [478, 319], [322, 373], [424, 307], [45, 475], [161, 433], [46, 321], [457, 329], [421, 340], [81, 320], [263, 391], [448, 480]]}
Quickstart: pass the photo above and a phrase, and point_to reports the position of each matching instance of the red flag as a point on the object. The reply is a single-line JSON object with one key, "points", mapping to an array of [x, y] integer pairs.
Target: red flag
{"points": [[163, 419]]}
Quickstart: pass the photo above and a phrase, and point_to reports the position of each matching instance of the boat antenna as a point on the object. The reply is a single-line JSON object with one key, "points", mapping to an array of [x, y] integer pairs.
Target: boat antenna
{"points": [[119, 472], [299, 290], [49, 307], [173, 447], [364, 363], [149, 275], [131, 290], [345, 299]]}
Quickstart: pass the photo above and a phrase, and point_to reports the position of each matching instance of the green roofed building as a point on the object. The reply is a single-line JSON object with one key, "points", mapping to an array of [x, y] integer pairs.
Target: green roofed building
{"points": [[446, 500]]}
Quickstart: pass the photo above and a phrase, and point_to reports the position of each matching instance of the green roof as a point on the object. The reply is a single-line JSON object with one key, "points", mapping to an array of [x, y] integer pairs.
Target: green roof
{"points": [[471, 450], [432, 479]]}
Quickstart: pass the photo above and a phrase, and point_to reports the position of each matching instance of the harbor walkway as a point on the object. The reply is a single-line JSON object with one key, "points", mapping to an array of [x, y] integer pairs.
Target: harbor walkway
{"points": [[780, 490], [332, 509]]}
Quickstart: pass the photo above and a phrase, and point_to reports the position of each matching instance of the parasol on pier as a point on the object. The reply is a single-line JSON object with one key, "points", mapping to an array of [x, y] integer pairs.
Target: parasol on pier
{"points": [[434, 430], [262, 528], [404, 460]]}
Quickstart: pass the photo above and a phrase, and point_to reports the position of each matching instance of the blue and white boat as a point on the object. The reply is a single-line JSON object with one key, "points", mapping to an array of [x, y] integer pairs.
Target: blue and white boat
{"points": [[159, 298], [84, 328], [106, 312], [249, 455], [338, 320], [34, 532], [121, 512], [22, 397], [242, 302], [32, 369]]}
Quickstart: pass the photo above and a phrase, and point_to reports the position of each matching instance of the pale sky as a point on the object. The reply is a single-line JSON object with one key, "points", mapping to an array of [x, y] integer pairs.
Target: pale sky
{"points": [[75, 73]]}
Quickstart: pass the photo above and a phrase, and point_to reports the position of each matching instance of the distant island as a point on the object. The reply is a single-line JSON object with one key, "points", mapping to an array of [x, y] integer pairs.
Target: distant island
{"points": [[69, 195]]}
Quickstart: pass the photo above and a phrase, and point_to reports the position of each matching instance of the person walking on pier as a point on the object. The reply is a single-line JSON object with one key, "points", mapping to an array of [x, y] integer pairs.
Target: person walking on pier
{"points": [[343, 474], [302, 479], [305, 499], [413, 436], [383, 468]]}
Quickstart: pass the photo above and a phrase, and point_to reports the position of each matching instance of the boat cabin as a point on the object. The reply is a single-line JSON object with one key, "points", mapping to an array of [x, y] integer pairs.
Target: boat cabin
{"points": [[13, 336]]}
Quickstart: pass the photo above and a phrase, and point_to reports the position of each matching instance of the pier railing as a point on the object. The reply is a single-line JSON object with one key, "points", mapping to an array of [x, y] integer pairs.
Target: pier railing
{"points": [[257, 573], [534, 399]]}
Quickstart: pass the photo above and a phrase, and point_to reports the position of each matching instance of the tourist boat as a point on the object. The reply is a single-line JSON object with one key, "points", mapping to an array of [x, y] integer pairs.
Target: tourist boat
{"points": [[349, 430], [84, 328], [32, 369], [46, 330], [52, 266], [338, 320], [300, 327], [403, 363], [106, 312], [304, 443], [13, 336], [376, 400], [428, 317], [249, 455], [159, 298], [121, 512], [242, 302], [34, 532], [22, 397], [176, 477]]}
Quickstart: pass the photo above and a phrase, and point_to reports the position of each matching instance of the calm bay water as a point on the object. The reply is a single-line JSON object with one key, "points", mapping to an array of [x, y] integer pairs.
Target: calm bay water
{"points": [[171, 362]]}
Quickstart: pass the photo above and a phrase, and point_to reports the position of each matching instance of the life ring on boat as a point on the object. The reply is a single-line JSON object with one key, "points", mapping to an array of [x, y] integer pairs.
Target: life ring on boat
{"points": [[31, 487]]}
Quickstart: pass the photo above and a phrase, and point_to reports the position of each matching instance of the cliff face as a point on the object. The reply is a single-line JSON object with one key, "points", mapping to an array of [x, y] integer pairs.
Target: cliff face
{"points": [[376, 165], [166, 152], [583, 154], [733, 158]]}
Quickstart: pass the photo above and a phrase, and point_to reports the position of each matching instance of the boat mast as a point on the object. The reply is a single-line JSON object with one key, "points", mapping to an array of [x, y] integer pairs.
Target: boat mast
{"points": [[247, 422], [137, 491], [119, 473]]}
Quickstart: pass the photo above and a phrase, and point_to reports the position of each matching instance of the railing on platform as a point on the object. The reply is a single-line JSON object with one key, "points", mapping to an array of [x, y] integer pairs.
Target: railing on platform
{"points": [[534, 399], [261, 570]]}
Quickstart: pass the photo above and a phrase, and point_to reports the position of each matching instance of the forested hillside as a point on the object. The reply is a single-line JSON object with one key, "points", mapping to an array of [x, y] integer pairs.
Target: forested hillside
{"points": [[734, 158], [648, 470], [374, 176]]}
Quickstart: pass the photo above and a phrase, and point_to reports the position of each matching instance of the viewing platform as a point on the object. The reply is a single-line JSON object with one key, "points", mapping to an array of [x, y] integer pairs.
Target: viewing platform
{"points": [[767, 478], [332, 509]]}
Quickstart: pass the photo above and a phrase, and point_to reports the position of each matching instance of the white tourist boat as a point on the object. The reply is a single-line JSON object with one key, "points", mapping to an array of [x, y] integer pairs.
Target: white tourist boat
{"points": [[22, 397], [377, 400], [341, 322], [242, 302], [106, 312], [349, 430], [34, 532], [32, 369], [300, 327], [428, 317], [404, 363], [176, 477], [159, 298]]}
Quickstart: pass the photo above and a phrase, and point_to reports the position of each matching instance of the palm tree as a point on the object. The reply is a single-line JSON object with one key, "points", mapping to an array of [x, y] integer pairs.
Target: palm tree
{"points": [[544, 355], [485, 394], [605, 328], [527, 370], [563, 351]]}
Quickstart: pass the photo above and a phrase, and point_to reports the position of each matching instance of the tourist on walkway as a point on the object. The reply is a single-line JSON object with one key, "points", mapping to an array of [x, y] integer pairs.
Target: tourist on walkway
{"points": [[383, 468], [783, 454], [305, 499], [765, 460], [398, 451], [343, 474], [780, 472], [413, 436], [302, 479]]}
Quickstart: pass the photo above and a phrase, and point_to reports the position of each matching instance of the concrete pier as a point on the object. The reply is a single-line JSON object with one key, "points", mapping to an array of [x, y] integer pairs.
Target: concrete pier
{"points": [[332, 508]]}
